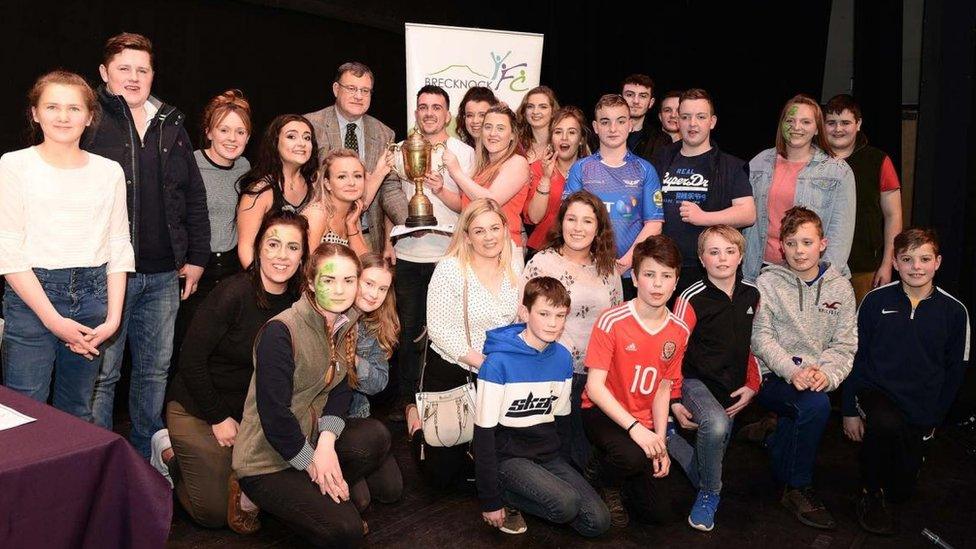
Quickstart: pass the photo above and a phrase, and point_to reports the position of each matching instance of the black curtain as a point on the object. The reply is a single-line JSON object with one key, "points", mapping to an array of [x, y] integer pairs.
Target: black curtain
{"points": [[877, 72], [945, 173], [283, 53]]}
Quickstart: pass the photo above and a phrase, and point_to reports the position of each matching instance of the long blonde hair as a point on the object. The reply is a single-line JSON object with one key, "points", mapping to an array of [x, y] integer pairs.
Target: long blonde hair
{"points": [[320, 193], [461, 249]]}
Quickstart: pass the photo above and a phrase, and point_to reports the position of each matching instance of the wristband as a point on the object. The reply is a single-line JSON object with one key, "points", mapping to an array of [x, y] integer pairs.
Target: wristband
{"points": [[353, 234], [632, 425], [539, 191]]}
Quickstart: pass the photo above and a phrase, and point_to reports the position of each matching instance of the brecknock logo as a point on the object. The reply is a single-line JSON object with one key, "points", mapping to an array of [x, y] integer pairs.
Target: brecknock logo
{"points": [[506, 73]]}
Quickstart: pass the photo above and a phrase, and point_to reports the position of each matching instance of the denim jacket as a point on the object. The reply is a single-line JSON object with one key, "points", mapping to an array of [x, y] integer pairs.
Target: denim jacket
{"points": [[826, 186], [372, 369]]}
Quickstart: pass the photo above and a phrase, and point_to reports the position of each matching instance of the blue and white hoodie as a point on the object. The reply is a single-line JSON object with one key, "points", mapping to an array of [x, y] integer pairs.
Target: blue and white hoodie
{"points": [[523, 406]]}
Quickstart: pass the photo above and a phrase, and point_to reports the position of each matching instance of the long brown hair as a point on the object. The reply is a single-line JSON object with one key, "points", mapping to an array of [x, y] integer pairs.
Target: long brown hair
{"points": [[324, 251], [603, 249], [484, 169], [576, 114], [383, 323], [524, 129], [819, 140]]}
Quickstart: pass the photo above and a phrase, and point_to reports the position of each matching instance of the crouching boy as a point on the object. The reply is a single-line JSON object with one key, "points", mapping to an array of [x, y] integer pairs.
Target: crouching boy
{"points": [[522, 424], [913, 350], [804, 337]]}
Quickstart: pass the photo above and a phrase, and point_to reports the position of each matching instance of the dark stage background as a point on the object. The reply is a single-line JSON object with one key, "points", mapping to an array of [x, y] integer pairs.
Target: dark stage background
{"points": [[752, 56]]}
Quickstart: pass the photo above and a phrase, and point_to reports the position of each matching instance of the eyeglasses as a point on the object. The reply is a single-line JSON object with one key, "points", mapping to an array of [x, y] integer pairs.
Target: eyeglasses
{"points": [[353, 89]]}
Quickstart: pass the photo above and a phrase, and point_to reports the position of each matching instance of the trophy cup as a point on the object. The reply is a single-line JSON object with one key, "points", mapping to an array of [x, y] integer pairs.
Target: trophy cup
{"points": [[412, 164]]}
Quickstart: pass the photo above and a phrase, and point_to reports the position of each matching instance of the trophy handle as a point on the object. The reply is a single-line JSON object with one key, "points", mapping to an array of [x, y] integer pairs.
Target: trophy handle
{"points": [[440, 164], [397, 169]]}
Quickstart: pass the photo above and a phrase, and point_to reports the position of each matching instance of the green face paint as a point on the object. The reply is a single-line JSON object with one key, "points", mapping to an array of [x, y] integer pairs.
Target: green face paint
{"points": [[322, 292], [787, 126]]}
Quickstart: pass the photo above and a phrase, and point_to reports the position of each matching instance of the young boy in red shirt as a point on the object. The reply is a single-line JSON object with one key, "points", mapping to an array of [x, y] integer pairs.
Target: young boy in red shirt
{"points": [[634, 361]]}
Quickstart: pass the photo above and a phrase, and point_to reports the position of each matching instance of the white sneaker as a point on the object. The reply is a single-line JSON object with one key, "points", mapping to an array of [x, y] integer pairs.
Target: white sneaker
{"points": [[158, 444]]}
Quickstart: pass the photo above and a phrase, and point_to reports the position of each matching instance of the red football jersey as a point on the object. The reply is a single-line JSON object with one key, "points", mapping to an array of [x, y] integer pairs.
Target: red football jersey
{"points": [[636, 358]]}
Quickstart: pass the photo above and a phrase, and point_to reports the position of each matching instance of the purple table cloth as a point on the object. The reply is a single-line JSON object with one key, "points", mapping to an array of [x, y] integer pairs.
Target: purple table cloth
{"points": [[67, 483]]}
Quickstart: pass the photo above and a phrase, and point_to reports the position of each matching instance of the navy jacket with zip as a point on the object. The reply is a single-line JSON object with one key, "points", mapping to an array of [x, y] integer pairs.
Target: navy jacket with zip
{"points": [[916, 356], [184, 196]]}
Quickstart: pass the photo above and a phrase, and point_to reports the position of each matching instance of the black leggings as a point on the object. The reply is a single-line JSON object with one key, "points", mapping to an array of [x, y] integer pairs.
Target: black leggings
{"points": [[892, 449], [624, 465], [290, 495], [442, 467]]}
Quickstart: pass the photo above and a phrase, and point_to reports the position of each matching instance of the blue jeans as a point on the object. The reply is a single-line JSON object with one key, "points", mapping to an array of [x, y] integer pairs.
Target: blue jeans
{"points": [[802, 418], [31, 353], [554, 491], [703, 463], [148, 320]]}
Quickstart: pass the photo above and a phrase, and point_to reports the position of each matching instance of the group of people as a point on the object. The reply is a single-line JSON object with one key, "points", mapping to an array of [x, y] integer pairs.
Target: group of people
{"points": [[611, 311]]}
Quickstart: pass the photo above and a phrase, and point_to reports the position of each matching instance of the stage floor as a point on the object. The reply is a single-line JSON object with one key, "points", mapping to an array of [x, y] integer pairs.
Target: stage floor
{"points": [[750, 514]]}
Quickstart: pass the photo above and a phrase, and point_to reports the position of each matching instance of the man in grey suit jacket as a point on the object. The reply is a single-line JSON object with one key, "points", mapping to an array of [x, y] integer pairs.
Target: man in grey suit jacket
{"points": [[346, 125]]}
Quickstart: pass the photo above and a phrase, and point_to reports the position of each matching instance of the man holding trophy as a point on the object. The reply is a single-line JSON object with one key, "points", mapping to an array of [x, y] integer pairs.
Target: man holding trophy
{"points": [[417, 252]]}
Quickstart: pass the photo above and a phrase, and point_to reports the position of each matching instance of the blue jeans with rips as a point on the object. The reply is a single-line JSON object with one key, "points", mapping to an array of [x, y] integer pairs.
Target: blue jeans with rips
{"points": [[703, 463]]}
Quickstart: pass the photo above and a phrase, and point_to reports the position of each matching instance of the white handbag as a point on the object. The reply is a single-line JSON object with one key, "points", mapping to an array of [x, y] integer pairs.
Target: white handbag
{"points": [[448, 416]]}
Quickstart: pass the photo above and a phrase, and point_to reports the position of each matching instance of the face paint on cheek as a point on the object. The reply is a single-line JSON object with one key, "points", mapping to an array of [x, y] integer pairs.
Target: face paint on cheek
{"points": [[323, 293], [786, 124]]}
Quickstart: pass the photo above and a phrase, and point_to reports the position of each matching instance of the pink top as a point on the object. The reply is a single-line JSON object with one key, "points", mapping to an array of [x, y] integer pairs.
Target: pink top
{"points": [[781, 195], [538, 237]]}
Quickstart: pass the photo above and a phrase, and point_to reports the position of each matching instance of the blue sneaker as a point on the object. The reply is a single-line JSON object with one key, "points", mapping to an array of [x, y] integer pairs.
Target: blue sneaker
{"points": [[702, 515]]}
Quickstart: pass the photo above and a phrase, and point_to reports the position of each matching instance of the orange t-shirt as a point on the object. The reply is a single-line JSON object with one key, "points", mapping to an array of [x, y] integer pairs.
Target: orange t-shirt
{"points": [[636, 359], [512, 208], [782, 192]]}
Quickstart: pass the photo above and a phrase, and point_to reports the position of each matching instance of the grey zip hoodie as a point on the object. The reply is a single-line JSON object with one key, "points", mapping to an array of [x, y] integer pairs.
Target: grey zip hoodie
{"points": [[798, 325]]}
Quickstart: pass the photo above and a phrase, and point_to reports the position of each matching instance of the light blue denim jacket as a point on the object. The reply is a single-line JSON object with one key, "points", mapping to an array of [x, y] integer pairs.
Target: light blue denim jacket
{"points": [[372, 369], [826, 186]]}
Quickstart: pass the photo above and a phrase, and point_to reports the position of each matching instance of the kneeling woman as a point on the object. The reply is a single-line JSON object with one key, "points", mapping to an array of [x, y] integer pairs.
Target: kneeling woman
{"points": [[207, 394], [296, 454], [478, 273]]}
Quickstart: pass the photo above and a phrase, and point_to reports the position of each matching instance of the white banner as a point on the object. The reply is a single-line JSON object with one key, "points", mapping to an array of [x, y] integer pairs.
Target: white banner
{"points": [[458, 58]]}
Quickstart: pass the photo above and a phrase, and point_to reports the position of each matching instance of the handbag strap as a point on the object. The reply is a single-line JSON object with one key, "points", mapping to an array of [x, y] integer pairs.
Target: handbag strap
{"points": [[423, 357], [426, 337], [467, 326]]}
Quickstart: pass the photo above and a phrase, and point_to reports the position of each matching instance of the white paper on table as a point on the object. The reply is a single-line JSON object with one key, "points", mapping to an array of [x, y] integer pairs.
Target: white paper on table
{"points": [[401, 230], [10, 418]]}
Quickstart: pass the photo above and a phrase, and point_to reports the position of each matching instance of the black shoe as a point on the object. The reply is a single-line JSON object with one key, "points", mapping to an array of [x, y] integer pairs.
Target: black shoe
{"points": [[619, 517], [873, 513], [806, 506]]}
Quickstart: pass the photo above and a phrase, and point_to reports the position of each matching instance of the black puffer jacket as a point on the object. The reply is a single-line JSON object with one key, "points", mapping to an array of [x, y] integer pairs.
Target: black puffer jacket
{"points": [[185, 198]]}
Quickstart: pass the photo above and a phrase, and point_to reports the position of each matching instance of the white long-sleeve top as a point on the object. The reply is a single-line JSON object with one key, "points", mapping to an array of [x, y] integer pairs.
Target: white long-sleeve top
{"points": [[57, 218], [445, 311]]}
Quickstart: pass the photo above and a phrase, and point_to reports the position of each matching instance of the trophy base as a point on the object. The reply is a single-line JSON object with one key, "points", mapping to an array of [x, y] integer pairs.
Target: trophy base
{"points": [[420, 221]]}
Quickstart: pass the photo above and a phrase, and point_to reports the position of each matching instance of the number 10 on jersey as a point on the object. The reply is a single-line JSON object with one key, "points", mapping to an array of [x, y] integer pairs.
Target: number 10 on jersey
{"points": [[645, 378]]}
